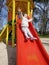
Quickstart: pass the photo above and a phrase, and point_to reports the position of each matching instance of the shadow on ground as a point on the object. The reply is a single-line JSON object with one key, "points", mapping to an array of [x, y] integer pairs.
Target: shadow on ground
{"points": [[11, 55]]}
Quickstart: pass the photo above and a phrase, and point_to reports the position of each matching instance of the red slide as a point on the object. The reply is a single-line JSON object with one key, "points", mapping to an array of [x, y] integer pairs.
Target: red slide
{"points": [[30, 52]]}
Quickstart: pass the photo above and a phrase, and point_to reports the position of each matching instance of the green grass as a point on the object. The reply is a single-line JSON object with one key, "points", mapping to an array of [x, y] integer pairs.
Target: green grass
{"points": [[44, 36]]}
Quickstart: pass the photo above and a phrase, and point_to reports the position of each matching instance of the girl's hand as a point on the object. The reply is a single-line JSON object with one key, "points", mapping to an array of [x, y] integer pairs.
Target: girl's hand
{"points": [[30, 16]]}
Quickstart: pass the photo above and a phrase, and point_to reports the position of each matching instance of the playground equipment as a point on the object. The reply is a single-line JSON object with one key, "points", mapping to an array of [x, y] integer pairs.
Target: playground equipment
{"points": [[3, 20], [30, 52], [12, 9], [5, 33]]}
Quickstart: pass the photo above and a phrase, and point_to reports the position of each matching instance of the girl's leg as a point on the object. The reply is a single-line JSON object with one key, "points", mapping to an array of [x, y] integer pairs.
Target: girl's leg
{"points": [[30, 35], [25, 32]]}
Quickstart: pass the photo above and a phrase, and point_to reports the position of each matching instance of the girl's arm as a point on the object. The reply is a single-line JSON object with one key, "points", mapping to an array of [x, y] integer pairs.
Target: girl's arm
{"points": [[30, 20], [21, 15]]}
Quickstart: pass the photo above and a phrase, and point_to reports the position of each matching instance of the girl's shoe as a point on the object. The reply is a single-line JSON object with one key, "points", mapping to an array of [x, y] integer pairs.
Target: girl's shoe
{"points": [[33, 38]]}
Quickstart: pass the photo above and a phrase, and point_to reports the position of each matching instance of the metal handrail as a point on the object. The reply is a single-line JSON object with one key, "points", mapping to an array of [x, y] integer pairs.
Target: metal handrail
{"points": [[3, 30], [5, 33]]}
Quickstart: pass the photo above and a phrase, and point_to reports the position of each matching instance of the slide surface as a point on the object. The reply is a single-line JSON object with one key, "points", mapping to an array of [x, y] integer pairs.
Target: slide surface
{"points": [[30, 52]]}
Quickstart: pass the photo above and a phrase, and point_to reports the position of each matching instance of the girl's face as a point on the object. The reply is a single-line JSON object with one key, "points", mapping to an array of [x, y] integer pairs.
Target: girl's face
{"points": [[25, 15]]}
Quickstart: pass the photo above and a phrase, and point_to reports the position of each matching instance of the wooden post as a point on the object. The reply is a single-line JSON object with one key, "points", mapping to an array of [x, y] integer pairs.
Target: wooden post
{"points": [[13, 25], [28, 8], [31, 11], [7, 31]]}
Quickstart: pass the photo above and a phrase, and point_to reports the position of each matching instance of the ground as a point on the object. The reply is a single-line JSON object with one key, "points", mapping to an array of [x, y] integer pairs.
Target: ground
{"points": [[46, 47], [45, 42], [11, 55], [8, 54]]}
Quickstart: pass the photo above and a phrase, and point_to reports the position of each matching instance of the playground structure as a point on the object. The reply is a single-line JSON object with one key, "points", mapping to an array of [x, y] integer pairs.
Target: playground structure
{"points": [[12, 9], [28, 53]]}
